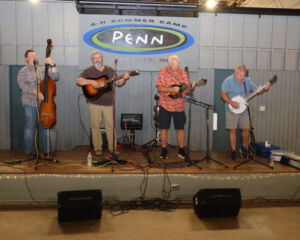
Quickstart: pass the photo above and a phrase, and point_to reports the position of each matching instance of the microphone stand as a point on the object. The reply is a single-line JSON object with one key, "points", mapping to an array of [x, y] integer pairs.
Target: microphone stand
{"points": [[250, 157], [207, 157], [113, 158], [187, 157]]}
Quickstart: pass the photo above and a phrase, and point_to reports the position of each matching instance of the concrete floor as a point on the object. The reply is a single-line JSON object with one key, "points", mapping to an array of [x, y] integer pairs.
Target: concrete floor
{"points": [[279, 222]]}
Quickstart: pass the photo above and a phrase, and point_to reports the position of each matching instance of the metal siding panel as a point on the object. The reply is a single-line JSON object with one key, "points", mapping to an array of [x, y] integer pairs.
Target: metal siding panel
{"points": [[24, 23], [293, 33], [265, 32], [222, 30], [291, 60], [249, 58], [221, 58], [279, 31], [8, 30], [235, 58], [236, 29], [207, 28], [71, 56], [55, 23], [206, 58], [251, 31], [9, 54], [277, 61], [263, 59], [71, 23], [4, 108], [40, 23], [280, 123]]}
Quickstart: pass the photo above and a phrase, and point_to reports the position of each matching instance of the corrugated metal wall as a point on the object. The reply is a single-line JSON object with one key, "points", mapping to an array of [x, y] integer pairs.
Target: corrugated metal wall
{"points": [[4, 108], [280, 123], [261, 42]]}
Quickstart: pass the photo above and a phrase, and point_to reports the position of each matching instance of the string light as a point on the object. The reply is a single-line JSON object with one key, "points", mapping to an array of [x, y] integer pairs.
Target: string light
{"points": [[229, 177]]}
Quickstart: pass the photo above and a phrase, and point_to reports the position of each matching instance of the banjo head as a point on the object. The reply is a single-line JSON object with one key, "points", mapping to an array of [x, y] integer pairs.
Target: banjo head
{"points": [[242, 102]]}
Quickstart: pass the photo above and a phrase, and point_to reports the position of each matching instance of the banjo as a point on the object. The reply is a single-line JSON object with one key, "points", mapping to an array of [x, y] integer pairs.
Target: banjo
{"points": [[243, 102]]}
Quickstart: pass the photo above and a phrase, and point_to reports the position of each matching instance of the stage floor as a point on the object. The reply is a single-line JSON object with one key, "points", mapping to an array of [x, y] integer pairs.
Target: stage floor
{"points": [[74, 161]]}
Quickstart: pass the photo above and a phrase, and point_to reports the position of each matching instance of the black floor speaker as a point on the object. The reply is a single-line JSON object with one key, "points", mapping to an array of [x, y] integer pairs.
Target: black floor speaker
{"points": [[217, 202], [79, 205]]}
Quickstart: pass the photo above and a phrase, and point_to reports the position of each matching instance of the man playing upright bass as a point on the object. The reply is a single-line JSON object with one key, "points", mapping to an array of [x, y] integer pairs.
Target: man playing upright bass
{"points": [[31, 99]]}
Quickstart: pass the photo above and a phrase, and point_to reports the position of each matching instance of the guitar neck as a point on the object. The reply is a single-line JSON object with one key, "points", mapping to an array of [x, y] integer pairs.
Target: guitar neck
{"points": [[256, 92], [114, 78]]}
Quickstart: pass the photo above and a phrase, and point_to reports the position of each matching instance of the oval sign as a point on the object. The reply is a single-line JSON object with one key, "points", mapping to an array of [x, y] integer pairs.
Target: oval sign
{"points": [[138, 39]]}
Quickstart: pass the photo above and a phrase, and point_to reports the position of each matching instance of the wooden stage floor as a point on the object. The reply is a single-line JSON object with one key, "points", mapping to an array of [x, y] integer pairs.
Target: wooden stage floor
{"points": [[74, 162]]}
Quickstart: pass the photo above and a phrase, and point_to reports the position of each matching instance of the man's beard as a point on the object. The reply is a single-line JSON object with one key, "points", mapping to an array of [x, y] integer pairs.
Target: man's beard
{"points": [[97, 64]]}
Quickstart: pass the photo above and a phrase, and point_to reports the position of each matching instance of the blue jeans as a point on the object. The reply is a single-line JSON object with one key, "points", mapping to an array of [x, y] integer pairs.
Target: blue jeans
{"points": [[31, 121]]}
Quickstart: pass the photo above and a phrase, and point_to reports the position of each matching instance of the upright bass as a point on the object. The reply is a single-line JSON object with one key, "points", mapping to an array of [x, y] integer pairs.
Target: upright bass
{"points": [[47, 116]]}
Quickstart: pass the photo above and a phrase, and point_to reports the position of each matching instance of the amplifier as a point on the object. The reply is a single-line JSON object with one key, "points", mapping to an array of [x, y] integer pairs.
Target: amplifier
{"points": [[79, 205], [217, 202], [133, 121]]}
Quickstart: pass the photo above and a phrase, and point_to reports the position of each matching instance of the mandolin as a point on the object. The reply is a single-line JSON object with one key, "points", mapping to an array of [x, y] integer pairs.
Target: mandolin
{"points": [[92, 93], [184, 86], [243, 102]]}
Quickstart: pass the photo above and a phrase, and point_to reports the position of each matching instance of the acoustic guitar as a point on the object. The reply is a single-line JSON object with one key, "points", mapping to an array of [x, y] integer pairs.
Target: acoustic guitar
{"points": [[92, 93]]}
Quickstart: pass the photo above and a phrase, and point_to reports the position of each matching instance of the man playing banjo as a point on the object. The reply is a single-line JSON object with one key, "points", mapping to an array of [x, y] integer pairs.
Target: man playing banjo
{"points": [[238, 84]]}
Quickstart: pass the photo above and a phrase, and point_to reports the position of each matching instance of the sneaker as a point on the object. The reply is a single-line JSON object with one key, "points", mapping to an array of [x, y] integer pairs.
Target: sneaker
{"points": [[233, 155], [164, 153], [244, 152], [116, 152], [98, 153], [181, 153]]}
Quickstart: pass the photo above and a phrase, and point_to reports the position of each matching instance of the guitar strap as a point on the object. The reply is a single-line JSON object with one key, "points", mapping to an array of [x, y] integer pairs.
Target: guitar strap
{"points": [[245, 88]]}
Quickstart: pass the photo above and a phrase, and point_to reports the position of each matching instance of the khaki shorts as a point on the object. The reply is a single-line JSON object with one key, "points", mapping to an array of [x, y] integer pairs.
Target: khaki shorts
{"points": [[234, 121]]}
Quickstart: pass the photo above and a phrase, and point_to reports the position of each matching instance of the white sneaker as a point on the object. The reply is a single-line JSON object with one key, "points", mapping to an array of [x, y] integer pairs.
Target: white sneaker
{"points": [[98, 153], [116, 152]]}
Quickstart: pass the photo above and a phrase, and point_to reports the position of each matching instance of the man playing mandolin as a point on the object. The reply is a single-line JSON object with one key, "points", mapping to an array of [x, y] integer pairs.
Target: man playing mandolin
{"points": [[103, 104], [27, 81], [238, 84], [169, 107]]}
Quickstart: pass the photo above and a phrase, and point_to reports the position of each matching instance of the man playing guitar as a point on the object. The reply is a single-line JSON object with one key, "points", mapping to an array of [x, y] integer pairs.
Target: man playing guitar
{"points": [[168, 107], [101, 105], [238, 84]]}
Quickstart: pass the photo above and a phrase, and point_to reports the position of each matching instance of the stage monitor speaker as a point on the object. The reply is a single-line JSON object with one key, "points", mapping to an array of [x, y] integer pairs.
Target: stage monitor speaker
{"points": [[217, 202], [79, 205]]}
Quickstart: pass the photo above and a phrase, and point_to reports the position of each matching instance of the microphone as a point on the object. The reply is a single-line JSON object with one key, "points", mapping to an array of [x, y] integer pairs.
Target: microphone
{"points": [[201, 82], [34, 62]]}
